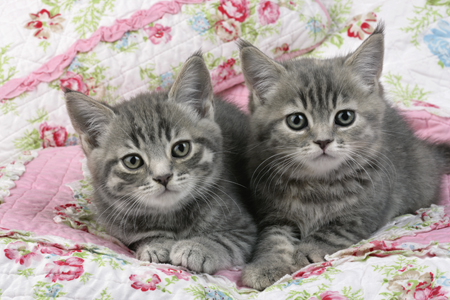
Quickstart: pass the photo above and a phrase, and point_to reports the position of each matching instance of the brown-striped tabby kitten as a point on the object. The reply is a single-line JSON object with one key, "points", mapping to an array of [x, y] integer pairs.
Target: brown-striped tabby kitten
{"points": [[332, 160], [165, 168]]}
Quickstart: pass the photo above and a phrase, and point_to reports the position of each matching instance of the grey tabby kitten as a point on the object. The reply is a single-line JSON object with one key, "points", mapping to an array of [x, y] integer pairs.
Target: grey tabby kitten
{"points": [[332, 160], [164, 167]]}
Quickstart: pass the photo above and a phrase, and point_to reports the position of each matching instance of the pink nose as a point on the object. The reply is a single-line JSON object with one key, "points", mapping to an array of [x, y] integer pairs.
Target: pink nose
{"points": [[164, 179], [323, 144]]}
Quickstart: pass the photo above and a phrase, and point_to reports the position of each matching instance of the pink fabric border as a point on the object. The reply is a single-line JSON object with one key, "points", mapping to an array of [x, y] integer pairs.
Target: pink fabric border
{"points": [[55, 66]]}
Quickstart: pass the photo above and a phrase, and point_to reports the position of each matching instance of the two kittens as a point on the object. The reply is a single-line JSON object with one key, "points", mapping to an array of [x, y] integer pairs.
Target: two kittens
{"points": [[328, 160]]}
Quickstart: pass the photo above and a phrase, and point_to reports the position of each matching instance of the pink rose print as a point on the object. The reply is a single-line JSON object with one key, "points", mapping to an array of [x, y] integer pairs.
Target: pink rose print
{"points": [[435, 293], [45, 23], [361, 24], [330, 295], [144, 283], [228, 30], [178, 273], [69, 269], [268, 12], [52, 136], [423, 104], [158, 33], [74, 82], [21, 253], [312, 271], [238, 10], [278, 51], [223, 71], [54, 250]]}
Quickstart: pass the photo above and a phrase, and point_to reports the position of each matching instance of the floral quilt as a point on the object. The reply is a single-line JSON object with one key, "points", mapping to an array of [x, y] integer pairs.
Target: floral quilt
{"points": [[50, 245]]}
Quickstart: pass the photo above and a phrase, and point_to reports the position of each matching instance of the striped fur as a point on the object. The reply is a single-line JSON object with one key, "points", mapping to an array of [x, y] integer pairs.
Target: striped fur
{"points": [[199, 220], [311, 204]]}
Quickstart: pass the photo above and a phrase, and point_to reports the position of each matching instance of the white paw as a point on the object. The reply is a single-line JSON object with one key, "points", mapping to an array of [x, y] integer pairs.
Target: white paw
{"points": [[259, 275], [154, 253]]}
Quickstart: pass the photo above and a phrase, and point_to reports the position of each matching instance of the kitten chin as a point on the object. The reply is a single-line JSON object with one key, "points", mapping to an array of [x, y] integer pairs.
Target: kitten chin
{"points": [[323, 164]]}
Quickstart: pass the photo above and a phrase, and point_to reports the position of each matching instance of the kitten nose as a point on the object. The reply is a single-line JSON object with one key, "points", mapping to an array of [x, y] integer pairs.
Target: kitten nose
{"points": [[164, 179], [323, 144]]}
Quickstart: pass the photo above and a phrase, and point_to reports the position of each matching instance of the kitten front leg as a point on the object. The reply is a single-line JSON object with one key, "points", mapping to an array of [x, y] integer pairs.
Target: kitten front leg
{"points": [[213, 252], [273, 257], [154, 249]]}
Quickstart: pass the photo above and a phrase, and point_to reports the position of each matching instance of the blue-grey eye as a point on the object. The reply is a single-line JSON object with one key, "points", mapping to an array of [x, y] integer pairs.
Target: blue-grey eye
{"points": [[345, 118], [181, 149], [297, 121], [133, 161]]}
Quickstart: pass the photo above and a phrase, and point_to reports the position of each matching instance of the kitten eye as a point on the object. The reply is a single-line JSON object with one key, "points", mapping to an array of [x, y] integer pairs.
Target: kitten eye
{"points": [[297, 121], [132, 161], [181, 149], [345, 118]]}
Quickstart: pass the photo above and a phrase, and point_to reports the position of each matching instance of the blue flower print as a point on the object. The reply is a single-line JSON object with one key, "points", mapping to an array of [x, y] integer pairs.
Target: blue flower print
{"points": [[314, 26], [123, 42], [215, 295], [72, 141], [443, 280], [75, 64], [199, 23], [439, 42], [53, 290], [166, 79], [293, 282]]}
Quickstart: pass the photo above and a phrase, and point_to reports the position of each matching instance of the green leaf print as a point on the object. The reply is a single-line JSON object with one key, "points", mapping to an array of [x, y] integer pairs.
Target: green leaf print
{"points": [[404, 93], [26, 272], [440, 3], [104, 295], [9, 106], [85, 277], [41, 116], [298, 295], [358, 295], [338, 13], [44, 44], [337, 40], [57, 5], [29, 141], [88, 18], [83, 255], [424, 17], [147, 73], [402, 262], [6, 73]]}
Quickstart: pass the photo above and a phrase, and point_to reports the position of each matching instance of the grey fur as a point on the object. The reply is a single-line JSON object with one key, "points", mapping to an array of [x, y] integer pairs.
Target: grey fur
{"points": [[200, 222], [310, 205]]}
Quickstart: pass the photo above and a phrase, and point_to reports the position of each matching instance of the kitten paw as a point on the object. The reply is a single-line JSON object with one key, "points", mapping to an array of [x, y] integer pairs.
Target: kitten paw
{"points": [[195, 256], [308, 254], [154, 253], [259, 275]]}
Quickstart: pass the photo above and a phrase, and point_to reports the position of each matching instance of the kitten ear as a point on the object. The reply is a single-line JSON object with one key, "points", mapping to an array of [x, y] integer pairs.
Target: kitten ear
{"points": [[193, 86], [89, 117], [261, 72], [367, 60]]}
